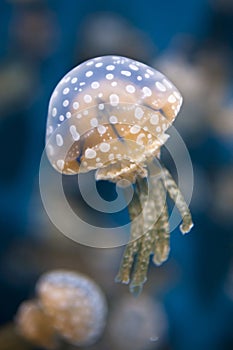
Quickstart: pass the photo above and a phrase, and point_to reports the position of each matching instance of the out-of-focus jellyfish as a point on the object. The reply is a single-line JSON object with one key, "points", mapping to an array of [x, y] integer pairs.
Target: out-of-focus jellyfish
{"points": [[137, 324], [102, 32], [70, 307], [110, 114], [75, 305], [194, 87], [34, 325]]}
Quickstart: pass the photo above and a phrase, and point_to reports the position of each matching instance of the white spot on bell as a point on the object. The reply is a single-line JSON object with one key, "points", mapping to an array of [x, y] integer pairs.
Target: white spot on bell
{"points": [[111, 156], [50, 150], [104, 147], [99, 64], [60, 164], [127, 73], [150, 71], [177, 95], [135, 129], [89, 74], [101, 106], [49, 130], [114, 99], [94, 122], [113, 119], [54, 112], [133, 67], [109, 76], [147, 91], [87, 98], [59, 140], [95, 85], [90, 153], [74, 133], [154, 119], [110, 67], [160, 86], [130, 88], [75, 105], [139, 139], [171, 99], [138, 113], [66, 91], [101, 129], [167, 83], [74, 80]]}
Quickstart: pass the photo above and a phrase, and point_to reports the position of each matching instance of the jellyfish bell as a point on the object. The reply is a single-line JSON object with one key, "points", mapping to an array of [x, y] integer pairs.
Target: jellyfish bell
{"points": [[34, 325], [107, 110], [110, 114], [70, 307], [75, 305]]}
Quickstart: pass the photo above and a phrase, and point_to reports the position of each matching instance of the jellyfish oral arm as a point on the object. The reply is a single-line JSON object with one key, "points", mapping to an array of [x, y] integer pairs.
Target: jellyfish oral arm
{"points": [[110, 114], [176, 195], [150, 234]]}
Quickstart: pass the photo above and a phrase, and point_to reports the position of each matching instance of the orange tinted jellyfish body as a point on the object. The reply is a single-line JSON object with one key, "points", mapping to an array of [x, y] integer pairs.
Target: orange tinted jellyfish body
{"points": [[110, 114]]}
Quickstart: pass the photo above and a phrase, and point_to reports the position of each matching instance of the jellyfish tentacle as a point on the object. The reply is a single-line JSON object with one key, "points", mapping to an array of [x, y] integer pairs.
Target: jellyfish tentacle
{"points": [[178, 198], [160, 229], [151, 213], [132, 247], [162, 238], [139, 275], [156, 231]]}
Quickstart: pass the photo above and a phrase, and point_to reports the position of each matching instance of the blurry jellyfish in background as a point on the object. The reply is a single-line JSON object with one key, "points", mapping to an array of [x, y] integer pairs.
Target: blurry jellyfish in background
{"points": [[193, 86], [105, 32], [110, 114], [70, 307], [35, 326], [34, 31], [138, 324], [222, 121], [222, 187], [75, 305]]}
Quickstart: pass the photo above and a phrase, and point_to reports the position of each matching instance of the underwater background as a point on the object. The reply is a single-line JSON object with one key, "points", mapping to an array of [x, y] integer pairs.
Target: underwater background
{"points": [[187, 303]]}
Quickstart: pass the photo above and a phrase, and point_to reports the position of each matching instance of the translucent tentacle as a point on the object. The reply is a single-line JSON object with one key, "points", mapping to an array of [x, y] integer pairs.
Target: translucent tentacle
{"points": [[160, 230], [139, 275], [179, 200], [150, 232], [132, 247], [152, 208]]}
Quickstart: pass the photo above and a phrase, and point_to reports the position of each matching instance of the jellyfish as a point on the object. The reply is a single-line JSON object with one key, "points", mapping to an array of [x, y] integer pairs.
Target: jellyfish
{"points": [[110, 114], [75, 305], [68, 306], [34, 326], [138, 323]]}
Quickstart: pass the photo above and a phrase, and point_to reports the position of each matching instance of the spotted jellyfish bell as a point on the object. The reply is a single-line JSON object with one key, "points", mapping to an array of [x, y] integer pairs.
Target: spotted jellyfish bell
{"points": [[34, 325], [138, 323], [110, 114], [74, 304]]}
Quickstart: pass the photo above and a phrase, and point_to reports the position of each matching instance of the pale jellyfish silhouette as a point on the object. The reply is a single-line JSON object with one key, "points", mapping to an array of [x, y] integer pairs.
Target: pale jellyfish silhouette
{"points": [[110, 114]]}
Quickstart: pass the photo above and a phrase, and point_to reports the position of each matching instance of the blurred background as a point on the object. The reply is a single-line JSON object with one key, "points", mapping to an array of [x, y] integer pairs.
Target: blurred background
{"points": [[188, 302]]}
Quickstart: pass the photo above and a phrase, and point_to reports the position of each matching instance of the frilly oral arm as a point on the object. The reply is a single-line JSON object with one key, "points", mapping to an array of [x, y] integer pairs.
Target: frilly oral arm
{"points": [[132, 247], [178, 198]]}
